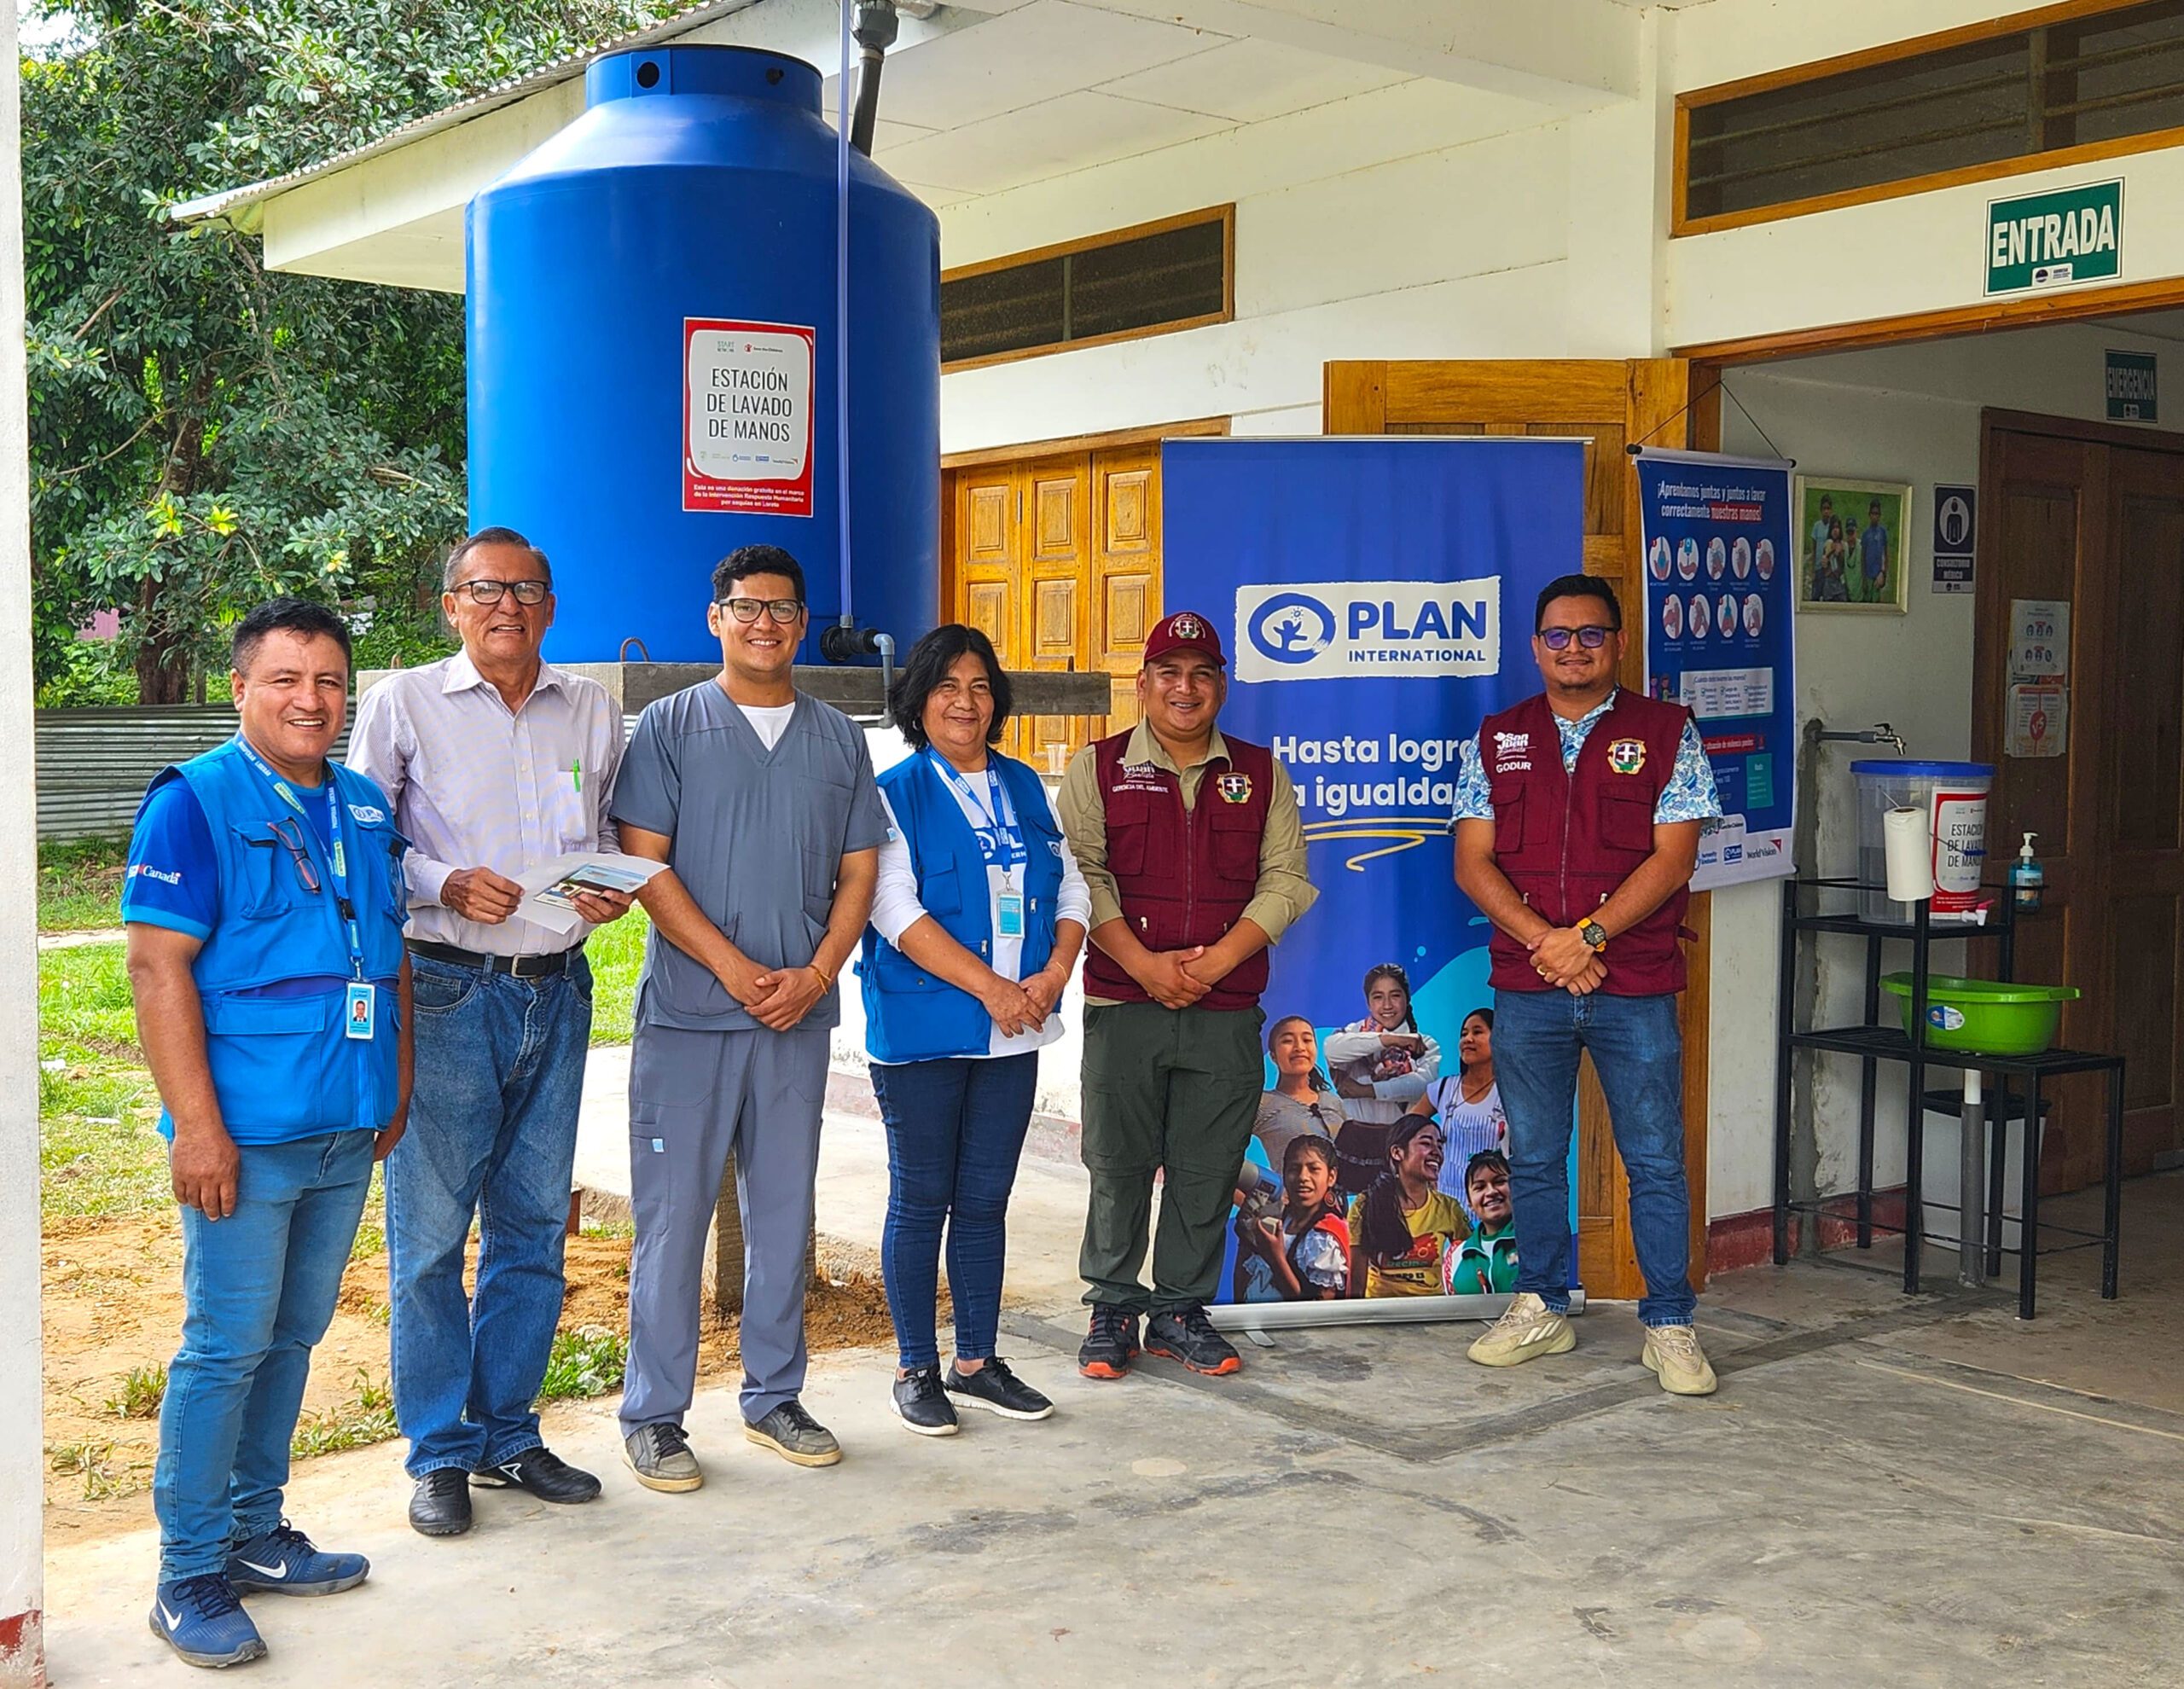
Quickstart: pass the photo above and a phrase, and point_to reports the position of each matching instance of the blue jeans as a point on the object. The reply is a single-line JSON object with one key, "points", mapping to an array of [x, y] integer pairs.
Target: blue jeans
{"points": [[954, 1132], [493, 1133], [257, 1293], [1638, 1053]]}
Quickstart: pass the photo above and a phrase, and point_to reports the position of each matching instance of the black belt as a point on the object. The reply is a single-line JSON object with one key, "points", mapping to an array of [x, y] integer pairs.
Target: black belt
{"points": [[523, 967]]}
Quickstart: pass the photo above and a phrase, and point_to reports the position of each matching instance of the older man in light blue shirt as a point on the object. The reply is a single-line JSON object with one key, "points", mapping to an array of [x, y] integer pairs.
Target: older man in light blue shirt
{"points": [[496, 762]]}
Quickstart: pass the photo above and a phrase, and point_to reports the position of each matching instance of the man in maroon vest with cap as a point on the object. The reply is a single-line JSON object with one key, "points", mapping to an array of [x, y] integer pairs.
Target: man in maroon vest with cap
{"points": [[1578, 813], [1193, 849]]}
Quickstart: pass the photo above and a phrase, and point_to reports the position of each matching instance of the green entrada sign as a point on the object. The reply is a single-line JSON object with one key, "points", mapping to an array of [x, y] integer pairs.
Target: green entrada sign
{"points": [[2055, 239]]}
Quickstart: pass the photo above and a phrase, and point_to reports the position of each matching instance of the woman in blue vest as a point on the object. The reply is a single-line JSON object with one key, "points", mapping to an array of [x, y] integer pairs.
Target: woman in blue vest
{"points": [[978, 919]]}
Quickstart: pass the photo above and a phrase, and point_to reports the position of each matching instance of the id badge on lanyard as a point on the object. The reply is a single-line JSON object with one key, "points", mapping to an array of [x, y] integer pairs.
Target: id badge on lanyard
{"points": [[1009, 835]]}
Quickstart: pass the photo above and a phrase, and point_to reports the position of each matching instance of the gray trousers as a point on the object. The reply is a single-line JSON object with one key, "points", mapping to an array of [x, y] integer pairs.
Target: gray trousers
{"points": [[694, 1097]]}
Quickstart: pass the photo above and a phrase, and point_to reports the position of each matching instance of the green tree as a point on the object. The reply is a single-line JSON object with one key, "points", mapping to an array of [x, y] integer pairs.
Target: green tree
{"points": [[203, 432]]}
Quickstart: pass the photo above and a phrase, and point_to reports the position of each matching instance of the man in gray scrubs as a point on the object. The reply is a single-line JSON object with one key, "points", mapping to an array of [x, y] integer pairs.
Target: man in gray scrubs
{"points": [[762, 804]]}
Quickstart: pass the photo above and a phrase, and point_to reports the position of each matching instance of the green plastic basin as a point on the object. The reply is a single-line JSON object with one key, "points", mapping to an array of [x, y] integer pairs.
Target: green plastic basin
{"points": [[1985, 1014]]}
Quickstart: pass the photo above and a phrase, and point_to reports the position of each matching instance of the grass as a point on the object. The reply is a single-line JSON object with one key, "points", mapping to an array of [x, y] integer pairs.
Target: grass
{"points": [[142, 1389], [366, 1418], [616, 951], [79, 884], [585, 1363], [93, 1462], [98, 1148]]}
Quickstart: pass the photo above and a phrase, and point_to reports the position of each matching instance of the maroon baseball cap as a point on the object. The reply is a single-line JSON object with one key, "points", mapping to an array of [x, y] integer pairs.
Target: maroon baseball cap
{"points": [[1184, 630]]}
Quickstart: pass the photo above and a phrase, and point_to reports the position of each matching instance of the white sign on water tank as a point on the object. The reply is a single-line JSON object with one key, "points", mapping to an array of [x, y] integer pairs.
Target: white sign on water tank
{"points": [[746, 417]]}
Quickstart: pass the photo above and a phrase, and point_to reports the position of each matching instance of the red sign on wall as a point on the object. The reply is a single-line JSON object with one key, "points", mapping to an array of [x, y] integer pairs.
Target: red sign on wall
{"points": [[747, 415]]}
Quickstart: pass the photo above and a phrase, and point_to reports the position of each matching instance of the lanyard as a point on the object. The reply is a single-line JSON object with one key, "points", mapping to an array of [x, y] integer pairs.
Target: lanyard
{"points": [[1011, 836], [338, 864]]}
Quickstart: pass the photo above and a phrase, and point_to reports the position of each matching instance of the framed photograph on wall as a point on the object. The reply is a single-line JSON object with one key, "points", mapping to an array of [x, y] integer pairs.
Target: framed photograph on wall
{"points": [[1854, 543]]}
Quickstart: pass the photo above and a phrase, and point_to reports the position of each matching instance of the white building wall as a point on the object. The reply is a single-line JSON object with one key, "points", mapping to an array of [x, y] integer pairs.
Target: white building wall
{"points": [[22, 1465], [1455, 246]]}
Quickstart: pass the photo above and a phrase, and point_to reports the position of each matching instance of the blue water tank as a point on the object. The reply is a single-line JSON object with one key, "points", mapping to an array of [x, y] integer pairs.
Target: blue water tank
{"points": [[653, 348]]}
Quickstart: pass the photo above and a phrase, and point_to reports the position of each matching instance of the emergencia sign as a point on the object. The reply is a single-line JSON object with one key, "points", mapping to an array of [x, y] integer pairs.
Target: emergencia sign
{"points": [[2060, 238]]}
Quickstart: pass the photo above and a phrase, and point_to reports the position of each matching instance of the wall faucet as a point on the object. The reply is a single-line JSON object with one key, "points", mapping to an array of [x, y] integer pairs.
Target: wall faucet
{"points": [[1880, 733]]}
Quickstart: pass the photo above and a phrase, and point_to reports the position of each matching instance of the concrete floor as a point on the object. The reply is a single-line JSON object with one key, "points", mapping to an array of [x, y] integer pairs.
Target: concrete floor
{"points": [[1907, 1491]]}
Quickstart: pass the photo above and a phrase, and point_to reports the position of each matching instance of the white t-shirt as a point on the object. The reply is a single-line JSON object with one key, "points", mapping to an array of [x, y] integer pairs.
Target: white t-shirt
{"points": [[769, 721], [895, 908]]}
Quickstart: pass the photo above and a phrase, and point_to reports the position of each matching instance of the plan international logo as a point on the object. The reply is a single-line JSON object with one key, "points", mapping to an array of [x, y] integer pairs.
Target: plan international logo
{"points": [[1334, 630]]}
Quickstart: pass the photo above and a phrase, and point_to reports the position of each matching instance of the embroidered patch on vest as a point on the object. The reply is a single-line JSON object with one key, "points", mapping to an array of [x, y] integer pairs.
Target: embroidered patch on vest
{"points": [[1234, 788], [1627, 756]]}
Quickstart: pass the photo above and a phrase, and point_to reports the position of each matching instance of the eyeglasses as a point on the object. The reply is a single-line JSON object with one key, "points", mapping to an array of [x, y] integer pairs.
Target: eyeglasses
{"points": [[1558, 639], [489, 592], [782, 610], [291, 836]]}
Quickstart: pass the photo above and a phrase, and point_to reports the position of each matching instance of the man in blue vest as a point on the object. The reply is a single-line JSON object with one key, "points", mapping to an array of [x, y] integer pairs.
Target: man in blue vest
{"points": [[264, 902]]}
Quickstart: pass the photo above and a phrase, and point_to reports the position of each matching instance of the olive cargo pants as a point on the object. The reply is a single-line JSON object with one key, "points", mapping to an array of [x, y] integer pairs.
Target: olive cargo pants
{"points": [[1172, 1089]]}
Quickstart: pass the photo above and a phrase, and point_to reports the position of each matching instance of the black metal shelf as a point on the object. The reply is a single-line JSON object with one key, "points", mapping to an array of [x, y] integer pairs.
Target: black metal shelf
{"points": [[1876, 1041]]}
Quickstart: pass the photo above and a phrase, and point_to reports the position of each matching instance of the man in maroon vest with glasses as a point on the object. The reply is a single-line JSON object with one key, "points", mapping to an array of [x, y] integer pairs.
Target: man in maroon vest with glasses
{"points": [[1578, 815], [1193, 851]]}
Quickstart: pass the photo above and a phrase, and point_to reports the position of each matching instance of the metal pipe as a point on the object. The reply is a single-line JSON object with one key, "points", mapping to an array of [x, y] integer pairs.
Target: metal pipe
{"points": [[877, 27]]}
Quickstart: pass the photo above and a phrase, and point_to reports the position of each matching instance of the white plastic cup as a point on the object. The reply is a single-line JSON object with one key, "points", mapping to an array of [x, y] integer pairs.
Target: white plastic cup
{"points": [[1909, 846]]}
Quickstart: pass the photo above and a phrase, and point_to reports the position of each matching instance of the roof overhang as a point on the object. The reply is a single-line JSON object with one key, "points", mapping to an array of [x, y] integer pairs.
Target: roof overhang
{"points": [[392, 211]]}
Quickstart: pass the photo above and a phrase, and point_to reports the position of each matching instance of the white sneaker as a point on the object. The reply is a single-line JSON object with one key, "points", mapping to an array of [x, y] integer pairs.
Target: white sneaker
{"points": [[1527, 1330], [1673, 1353]]}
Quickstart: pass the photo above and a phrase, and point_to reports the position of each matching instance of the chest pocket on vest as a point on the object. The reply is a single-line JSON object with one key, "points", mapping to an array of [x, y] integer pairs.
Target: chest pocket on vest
{"points": [[1518, 822], [271, 884], [1129, 829], [940, 889], [380, 848], [1627, 821], [1235, 840]]}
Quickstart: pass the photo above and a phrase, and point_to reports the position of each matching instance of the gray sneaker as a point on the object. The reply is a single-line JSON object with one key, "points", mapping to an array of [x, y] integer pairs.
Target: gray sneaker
{"points": [[795, 1436], [660, 1455]]}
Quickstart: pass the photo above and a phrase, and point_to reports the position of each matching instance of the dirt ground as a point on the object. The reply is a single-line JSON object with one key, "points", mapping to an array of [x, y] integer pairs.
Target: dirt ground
{"points": [[113, 1291]]}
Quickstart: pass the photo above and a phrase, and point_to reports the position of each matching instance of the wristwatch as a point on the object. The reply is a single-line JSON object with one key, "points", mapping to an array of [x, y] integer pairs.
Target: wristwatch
{"points": [[1594, 934]]}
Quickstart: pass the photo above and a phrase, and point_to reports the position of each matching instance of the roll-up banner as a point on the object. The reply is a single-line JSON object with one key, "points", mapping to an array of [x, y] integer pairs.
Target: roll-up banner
{"points": [[1720, 569], [1376, 598]]}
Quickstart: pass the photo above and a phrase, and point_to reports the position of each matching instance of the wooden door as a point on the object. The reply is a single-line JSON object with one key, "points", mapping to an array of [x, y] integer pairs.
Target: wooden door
{"points": [[2094, 517], [1126, 570], [985, 556], [2142, 802], [1609, 403], [1057, 559], [1057, 589]]}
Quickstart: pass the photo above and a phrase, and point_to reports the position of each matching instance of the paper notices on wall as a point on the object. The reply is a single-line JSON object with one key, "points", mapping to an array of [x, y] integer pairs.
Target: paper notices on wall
{"points": [[2037, 717]]}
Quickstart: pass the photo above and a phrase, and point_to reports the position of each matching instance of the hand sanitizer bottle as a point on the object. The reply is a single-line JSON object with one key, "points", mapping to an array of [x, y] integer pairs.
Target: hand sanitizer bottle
{"points": [[2028, 880]]}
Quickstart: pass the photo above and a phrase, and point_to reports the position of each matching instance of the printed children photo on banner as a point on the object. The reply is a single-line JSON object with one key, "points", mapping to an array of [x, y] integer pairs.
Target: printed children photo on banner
{"points": [[1383, 593]]}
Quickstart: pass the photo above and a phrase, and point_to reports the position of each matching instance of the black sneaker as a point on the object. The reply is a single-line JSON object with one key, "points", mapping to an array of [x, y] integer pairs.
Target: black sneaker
{"points": [[1112, 1343], [660, 1455], [543, 1472], [1185, 1334], [923, 1406], [440, 1505], [998, 1390], [795, 1436]]}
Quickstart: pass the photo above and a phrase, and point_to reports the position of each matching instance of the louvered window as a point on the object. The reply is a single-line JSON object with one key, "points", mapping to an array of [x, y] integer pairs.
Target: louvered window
{"points": [[1971, 106], [1144, 281]]}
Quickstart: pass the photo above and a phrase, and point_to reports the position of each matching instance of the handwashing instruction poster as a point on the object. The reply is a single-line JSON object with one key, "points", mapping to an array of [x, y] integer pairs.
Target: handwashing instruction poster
{"points": [[1720, 573]]}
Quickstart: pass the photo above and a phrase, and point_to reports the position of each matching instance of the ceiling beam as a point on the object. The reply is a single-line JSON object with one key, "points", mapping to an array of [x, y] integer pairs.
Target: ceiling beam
{"points": [[1573, 55]]}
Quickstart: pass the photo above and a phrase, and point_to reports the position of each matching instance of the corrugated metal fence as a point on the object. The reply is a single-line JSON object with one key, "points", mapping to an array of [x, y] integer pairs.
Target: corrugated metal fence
{"points": [[93, 765]]}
